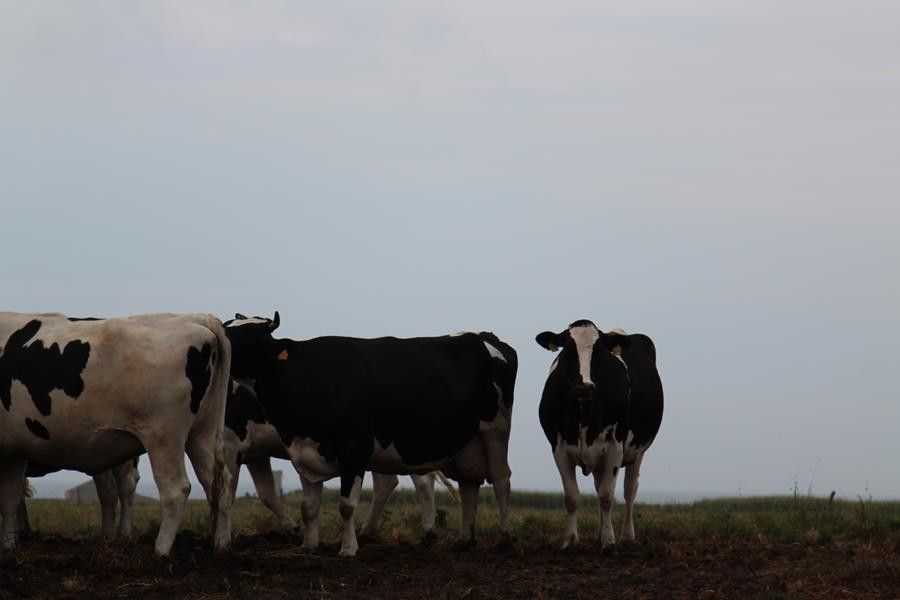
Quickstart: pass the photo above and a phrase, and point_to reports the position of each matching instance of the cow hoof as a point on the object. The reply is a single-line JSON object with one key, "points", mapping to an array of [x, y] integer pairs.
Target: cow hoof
{"points": [[429, 538], [349, 552], [570, 543], [607, 548]]}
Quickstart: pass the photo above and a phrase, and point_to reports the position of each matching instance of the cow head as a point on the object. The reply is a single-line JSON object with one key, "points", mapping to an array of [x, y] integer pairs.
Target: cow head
{"points": [[250, 338], [587, 357]]}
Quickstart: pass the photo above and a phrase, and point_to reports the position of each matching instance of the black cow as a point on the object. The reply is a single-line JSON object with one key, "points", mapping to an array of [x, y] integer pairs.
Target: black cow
{"points": [[252, 441], [343, 406], [601, 409]]}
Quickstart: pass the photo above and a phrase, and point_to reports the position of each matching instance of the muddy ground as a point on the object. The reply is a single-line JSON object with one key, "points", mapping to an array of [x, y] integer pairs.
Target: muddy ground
{"points": [[273, 566]]}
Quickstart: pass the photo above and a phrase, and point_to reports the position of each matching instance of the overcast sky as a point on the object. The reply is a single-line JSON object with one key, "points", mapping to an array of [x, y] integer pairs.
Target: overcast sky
{"points": [[722, 176]]}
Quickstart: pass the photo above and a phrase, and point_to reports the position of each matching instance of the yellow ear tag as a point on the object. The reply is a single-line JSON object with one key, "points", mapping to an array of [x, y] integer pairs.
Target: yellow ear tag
{"points": [[283, 355]]}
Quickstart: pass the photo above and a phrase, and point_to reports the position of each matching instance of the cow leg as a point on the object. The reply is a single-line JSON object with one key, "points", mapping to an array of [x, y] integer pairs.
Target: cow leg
{"points": [[566, 467], [383, 486], [231, 445], [23, 525], [12, 482], [497, 447], [206, 451], [127, 478], [424, 485], [468, 492], [264, 482], [309, 511], [167, 464], [351, 485], [605, 484], [108, 496], [632, 473]]}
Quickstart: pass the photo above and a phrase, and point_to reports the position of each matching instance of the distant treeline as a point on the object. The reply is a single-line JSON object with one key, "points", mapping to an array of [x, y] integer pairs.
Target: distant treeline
{"points": [[442, 498]]}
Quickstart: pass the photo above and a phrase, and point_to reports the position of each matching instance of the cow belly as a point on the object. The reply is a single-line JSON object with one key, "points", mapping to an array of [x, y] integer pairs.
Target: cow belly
{"points": [[98, 452]]}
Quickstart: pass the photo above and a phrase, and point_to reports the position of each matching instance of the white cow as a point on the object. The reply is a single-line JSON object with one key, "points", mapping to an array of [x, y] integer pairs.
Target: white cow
{"points": [[90, 394]]}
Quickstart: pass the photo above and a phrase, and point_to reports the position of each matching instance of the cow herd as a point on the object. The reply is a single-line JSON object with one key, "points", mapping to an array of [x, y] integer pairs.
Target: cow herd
{"points": [[93, 394]]}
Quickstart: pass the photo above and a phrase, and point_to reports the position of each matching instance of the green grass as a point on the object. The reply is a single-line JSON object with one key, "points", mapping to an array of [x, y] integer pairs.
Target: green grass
{"points": [[535, 517]]}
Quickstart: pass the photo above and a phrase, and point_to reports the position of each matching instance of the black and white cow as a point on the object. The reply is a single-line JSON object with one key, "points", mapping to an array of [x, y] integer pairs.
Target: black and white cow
{"points": [[601, 409], [343, 406], [252, 441], [115, 491], [90, 394]]}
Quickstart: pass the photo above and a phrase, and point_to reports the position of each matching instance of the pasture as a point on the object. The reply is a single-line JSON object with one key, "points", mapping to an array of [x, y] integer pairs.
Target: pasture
{"points": [[779, 547]]}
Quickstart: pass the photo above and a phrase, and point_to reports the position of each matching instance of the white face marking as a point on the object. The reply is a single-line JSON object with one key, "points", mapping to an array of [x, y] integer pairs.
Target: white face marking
{"points": [[585, 337], [250, 321]]}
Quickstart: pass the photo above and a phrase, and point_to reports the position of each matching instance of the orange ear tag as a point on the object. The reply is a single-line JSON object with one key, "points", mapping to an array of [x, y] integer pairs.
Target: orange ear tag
{"points": [[283, 355]]}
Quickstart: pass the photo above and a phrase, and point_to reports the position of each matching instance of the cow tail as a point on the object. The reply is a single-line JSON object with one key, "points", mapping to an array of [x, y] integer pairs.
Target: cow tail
{"points": [[451, 489], [218, 391]]}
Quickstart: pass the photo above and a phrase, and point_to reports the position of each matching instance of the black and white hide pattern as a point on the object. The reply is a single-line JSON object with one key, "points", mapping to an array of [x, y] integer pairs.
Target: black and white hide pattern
{"points": [[90, 394], [601, 409], [342, 406]]}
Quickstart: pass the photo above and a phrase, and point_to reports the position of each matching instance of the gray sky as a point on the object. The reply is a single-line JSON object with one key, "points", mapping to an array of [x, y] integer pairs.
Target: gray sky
{"points": [[719, 175]]}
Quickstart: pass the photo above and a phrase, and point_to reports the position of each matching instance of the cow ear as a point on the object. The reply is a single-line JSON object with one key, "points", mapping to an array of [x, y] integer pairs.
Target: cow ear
{"points": [[549, 340], [275, 322], [613, 339], [239, 316]]}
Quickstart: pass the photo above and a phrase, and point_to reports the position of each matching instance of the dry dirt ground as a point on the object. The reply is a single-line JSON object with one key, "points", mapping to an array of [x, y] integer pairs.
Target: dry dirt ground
{"points": [[273, 566]]}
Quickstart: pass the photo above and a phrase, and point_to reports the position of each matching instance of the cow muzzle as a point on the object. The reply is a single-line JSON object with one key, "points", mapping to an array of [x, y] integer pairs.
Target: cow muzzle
{"points": [[585, 391]]}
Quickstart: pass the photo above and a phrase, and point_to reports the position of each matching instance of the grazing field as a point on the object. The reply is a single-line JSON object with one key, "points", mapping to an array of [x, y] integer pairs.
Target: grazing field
{"points": [[783, 547]]}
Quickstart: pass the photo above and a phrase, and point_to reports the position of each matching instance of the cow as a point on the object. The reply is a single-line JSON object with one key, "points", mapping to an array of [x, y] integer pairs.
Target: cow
{"points": [[252, 441], [89, 394], [601, 409], [115, 490], [344, 405]]}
